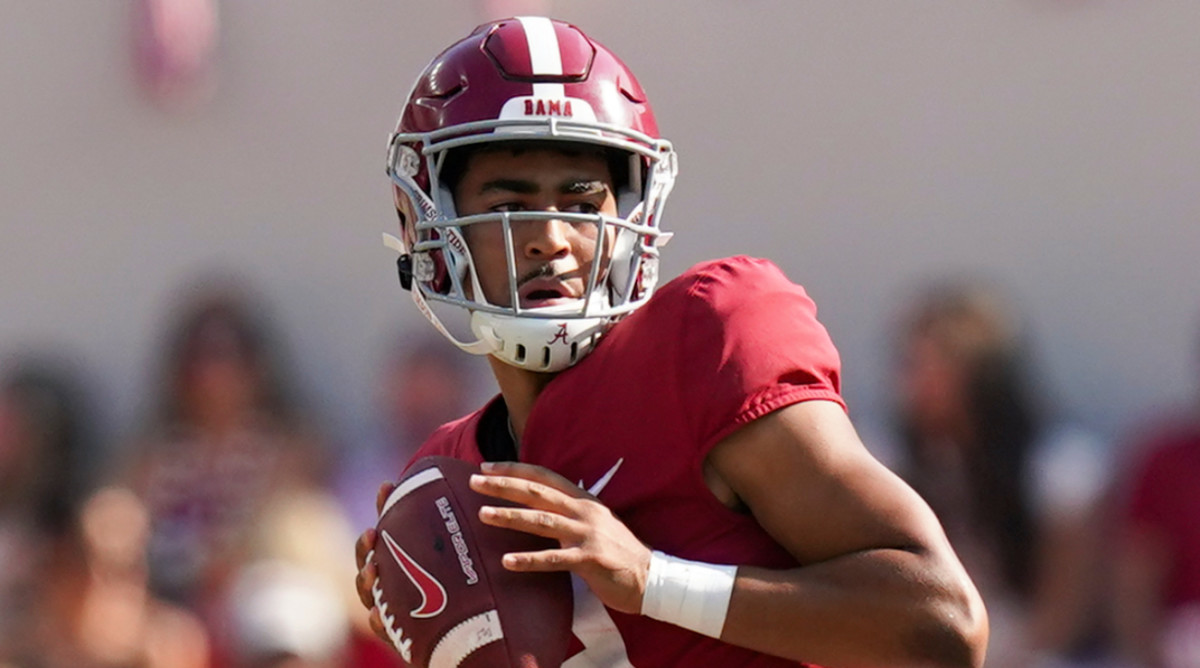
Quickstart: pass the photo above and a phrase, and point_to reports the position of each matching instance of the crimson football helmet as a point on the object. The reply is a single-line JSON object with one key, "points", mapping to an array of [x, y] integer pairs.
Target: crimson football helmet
{"points": [[527, 79]]}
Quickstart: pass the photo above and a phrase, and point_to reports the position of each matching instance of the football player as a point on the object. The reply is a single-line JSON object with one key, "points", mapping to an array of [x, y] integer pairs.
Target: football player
{"points": [[686, 444]]}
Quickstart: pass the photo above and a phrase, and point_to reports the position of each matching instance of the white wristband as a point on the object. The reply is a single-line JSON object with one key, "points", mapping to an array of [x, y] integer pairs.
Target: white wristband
{"points": [[690, 594]]}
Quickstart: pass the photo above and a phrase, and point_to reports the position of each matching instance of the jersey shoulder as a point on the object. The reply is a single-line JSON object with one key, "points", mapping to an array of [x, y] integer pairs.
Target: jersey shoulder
{"points": [[714, 277], [736, 292], [724, 343], [748, 305]]}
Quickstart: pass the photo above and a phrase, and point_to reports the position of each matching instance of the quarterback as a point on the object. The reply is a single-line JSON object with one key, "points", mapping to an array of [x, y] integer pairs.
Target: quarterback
{"points": [[685, 443]]}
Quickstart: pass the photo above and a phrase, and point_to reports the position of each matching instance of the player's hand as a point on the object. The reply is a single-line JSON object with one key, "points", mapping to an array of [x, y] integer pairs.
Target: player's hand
{"points": [[364, 555], [594, 544]]}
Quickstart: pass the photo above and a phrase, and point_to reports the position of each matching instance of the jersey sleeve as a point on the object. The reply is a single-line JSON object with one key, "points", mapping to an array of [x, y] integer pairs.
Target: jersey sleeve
{"points": [[751, 344]]}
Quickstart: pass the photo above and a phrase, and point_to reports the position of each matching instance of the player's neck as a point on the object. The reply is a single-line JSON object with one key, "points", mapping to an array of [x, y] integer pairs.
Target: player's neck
{"points": [[520, 388]]}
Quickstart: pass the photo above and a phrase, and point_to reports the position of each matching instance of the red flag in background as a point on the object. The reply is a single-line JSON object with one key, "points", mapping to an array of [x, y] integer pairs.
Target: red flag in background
{"points": [[174, 43]]}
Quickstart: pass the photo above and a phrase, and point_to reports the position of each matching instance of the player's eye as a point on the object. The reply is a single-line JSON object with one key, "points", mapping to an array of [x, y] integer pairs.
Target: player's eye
{"points": [[582, 207], [508, 207]]}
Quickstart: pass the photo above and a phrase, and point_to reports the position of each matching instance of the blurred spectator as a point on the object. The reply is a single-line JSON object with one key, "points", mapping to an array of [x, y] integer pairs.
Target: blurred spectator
{"points": [[96, 609], [73, 582], [226, 440], [1018, 492], [298, 554], [287, 616], [424, 383], [41, 430], [1156, 606]]}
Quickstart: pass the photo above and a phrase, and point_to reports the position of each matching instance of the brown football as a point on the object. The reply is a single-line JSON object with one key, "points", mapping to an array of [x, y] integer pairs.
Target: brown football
{"points": [[444, 598]]}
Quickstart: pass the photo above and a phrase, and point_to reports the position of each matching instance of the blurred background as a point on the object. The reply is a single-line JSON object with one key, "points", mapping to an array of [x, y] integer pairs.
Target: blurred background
{"points": [[154, 149]]}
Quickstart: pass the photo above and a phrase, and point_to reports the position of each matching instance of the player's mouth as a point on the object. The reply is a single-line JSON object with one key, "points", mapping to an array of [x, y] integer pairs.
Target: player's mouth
{"points": [[541, 292]]}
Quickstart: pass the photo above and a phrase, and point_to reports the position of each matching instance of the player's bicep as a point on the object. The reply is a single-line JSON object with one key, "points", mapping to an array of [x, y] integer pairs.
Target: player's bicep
{"points": [[812, 485]]}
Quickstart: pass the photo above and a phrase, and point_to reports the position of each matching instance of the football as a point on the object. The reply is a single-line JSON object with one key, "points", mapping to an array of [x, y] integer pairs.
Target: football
{"points": [[445, 599]]}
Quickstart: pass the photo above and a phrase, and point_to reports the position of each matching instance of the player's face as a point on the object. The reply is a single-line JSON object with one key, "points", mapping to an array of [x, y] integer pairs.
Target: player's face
{"points": [[553, 258]]}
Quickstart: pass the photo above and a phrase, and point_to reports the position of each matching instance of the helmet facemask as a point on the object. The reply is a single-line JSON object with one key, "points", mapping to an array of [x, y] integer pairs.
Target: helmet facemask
{"points": [[622, 275]]}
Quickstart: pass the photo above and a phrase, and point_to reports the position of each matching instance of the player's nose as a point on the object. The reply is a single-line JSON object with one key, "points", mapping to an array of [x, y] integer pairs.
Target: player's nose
{"points": [[546, 239]]}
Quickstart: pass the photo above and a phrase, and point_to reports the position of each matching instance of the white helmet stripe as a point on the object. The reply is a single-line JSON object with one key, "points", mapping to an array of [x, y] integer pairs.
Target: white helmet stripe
{"points": [[543, 45], [544, 56]]}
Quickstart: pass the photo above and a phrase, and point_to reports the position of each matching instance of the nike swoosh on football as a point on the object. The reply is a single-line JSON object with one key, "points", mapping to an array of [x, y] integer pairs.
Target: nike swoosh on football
{"points": [[600, 484], [433, 594]]}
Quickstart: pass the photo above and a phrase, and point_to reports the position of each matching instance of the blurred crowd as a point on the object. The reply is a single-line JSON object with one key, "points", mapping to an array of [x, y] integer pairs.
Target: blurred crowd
{"points": [[221, 534]]}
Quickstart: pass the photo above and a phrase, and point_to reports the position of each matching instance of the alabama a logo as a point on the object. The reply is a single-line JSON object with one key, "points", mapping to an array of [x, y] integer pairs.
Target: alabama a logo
{"points": [[433, 594], [560, 335]]}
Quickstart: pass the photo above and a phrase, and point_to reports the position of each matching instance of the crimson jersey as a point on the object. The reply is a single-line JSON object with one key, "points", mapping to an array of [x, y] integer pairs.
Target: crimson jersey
{"points": [[727, 342]]}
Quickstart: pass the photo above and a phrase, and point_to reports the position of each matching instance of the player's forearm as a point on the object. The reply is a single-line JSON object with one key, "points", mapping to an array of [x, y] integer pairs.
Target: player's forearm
{"points": [[878, 607]]}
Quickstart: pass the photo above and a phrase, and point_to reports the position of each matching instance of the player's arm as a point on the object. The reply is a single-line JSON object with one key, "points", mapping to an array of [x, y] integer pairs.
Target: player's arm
{"points": [[881, 585]]}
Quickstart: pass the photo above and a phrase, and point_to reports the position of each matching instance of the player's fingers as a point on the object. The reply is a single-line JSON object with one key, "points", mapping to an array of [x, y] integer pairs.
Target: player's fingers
{"points": [[364, 581], [541, 561], [532, 472], [376, 623], [523, 491], [365, 543], [529, 520], [385, 490]]}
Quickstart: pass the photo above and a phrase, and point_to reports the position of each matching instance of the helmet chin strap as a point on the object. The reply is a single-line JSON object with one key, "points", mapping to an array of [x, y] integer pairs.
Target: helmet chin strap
{"points": [[476, 347]]}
